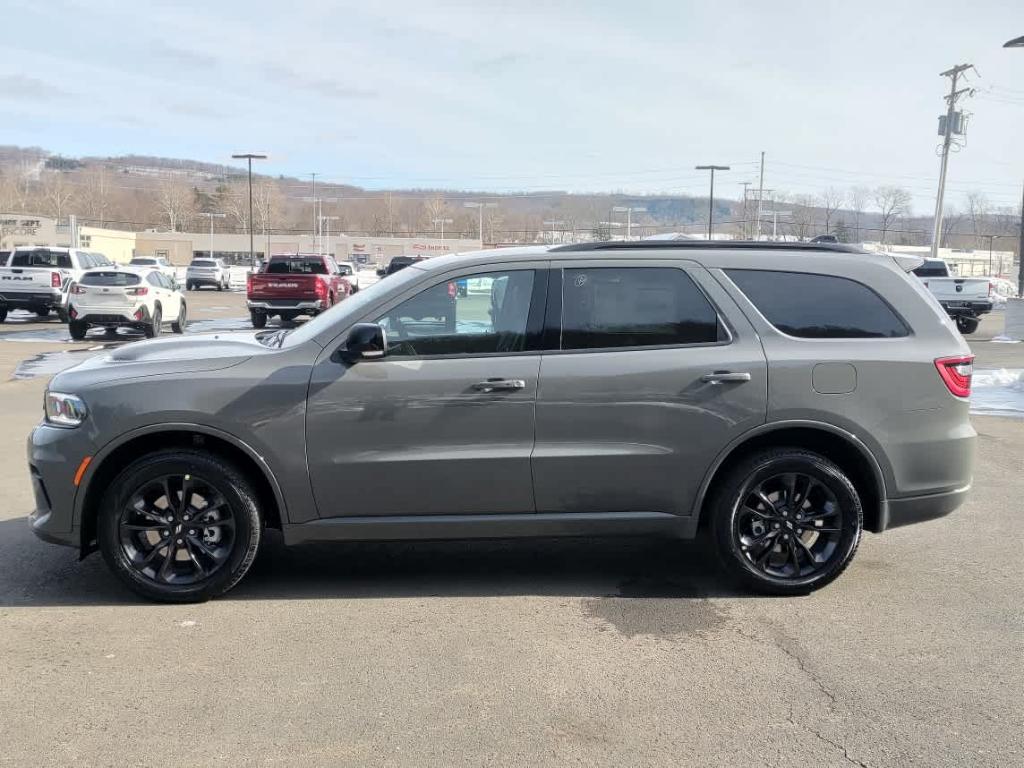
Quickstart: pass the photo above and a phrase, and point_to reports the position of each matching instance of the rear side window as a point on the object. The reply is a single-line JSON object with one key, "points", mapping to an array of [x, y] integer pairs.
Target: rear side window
{"points": [[110, 278], [41, 257], [607, 307], [818, 306]]}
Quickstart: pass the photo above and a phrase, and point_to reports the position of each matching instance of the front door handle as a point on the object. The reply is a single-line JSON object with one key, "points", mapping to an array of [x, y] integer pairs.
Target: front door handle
{"points": [[499, 385], [723, 377]]}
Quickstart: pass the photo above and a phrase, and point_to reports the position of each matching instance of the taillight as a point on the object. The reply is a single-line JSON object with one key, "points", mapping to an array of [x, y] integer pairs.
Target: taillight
{"points": [[248, 283], [321, 289], [55, 280], [77, 289], [141, 291], [956, 373]]}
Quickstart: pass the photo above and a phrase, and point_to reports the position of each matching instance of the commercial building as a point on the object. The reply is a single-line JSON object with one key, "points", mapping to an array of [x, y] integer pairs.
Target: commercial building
{"points": [[17, 229]]}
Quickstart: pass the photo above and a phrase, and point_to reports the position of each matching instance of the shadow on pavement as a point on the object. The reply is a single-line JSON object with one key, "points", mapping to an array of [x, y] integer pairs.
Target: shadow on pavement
{"points": [[33, 573]]}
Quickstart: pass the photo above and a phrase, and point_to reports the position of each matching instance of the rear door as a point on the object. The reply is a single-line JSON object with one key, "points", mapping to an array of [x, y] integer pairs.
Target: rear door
{"points": [[654, 371]]}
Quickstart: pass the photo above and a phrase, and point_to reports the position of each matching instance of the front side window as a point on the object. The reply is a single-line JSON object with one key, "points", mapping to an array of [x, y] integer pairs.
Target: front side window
{"points": [[474, 315], [609, 307], [818, 306]]}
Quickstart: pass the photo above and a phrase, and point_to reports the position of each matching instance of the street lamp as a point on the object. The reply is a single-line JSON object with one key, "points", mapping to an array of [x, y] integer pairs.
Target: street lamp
{"points": [[629, 210], [212, 217], [325, 222], [480, 207], [1018, 42], [442, 222], [250, 156], [711, 197]]}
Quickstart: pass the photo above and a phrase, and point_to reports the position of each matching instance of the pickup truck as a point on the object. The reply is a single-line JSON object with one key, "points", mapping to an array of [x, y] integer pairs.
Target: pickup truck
{"points": [[965, 299], [39, 278], [294, 284]]}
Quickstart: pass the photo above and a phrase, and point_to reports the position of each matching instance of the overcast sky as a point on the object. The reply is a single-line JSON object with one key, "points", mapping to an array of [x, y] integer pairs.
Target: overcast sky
{"points": [[524, 95]]}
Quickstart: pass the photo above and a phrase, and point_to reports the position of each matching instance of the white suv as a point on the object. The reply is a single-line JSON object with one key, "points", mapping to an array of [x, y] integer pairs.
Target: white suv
{"points": [[207, 272], [129, 297]]}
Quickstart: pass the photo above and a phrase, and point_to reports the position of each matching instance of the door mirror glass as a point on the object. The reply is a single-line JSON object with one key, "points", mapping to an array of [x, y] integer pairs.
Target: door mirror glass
{"points": [[366, 341], [382, 273]]}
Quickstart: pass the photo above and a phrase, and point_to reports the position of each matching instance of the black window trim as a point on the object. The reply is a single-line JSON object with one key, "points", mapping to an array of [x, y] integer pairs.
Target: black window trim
{"points": [[534, 319], [899, 316], [553, 318]]}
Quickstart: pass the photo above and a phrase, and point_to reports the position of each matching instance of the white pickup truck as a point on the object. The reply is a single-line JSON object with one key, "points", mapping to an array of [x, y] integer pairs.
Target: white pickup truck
{"points": [[965, 299], [38, 278]]}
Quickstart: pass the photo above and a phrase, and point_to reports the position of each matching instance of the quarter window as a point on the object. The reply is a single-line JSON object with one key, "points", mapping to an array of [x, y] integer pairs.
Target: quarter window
{"points": [[609, 307], [818, 306], [477, 314]]}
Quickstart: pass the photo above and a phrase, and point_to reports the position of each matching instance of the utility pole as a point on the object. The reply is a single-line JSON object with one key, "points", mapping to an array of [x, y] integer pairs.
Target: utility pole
{"points": [[480, 209], [746, 224], [947, 139], [1020, 250], [629, 210], [327, 226], [553, 223], [212, 217], [760, 197], [711, 197], [250, 156], [316, 223], [442, 222]]}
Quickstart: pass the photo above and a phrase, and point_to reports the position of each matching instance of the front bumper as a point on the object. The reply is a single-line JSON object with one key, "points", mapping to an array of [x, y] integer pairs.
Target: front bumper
{"points": [[271, 306], [30, 299], [54, 455]]}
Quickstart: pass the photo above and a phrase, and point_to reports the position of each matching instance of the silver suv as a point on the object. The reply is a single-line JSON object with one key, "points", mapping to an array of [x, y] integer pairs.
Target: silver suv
{"points": [[783, 398]]}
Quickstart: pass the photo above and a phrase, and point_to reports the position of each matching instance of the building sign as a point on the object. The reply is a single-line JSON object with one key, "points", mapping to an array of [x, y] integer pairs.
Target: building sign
{"points": [[430, 247], [23, 227]]}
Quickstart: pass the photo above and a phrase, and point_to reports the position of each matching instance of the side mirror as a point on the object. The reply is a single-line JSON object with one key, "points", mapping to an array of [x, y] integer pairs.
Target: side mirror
{"points": [[382, 273], [366, 341]]}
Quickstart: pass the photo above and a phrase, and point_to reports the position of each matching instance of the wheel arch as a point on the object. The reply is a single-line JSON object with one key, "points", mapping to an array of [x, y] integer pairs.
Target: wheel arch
{"points": [[117, 454], [834, 443]]}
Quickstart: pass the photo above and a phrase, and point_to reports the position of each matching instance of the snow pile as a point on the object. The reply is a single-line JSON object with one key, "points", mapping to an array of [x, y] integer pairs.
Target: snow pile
{"points": [[998, 392]]}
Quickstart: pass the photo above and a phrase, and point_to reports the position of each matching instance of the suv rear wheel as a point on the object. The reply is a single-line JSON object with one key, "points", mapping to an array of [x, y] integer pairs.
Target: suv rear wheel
{"points": [[77, 329], [155, 325], [786, 521], [180, 526]]}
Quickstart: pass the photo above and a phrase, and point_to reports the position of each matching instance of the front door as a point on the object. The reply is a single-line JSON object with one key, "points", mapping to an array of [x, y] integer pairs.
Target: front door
{"points": [[655, 372], [443, 424]]}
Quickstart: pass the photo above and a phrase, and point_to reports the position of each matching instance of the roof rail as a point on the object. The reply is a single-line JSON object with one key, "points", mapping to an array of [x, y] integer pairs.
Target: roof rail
{"points": [[703, 245]]}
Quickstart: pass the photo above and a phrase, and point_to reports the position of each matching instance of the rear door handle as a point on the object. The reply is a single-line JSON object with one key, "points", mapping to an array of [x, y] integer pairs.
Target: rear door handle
{"points": [[499, 385], [723, 377]]}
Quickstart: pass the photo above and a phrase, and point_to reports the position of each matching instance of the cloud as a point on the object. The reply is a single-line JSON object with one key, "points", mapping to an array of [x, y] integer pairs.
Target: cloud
{"points": [[24, 88], [182, 57], [330, 89], [194, 109], [497, 65]]}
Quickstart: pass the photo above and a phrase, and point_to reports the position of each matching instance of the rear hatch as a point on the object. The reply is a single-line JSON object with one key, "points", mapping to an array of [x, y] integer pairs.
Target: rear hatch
{"points": [[108, 288], [205, 268]]}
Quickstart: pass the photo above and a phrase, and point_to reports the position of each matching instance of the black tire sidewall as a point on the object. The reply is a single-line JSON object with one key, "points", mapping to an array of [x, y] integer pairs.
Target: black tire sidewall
{"points": [[228, 480], [77, 330], [760, 468]]}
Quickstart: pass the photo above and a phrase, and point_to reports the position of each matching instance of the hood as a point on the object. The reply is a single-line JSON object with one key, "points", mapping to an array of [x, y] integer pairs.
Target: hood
{"points": [[173, 354]]}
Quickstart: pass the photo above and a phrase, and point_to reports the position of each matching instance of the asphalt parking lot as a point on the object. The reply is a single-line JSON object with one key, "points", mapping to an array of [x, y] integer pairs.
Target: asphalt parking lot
{"points": [[530, 653]]}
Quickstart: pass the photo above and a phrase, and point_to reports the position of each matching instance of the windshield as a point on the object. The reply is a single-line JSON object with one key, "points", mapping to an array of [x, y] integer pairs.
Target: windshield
{"points": [[42, 257], [110, 278], [313, 266], [351, 309]]}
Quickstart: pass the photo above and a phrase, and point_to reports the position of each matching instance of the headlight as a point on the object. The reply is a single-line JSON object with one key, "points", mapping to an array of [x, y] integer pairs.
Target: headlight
{"points": [[64, 410]]}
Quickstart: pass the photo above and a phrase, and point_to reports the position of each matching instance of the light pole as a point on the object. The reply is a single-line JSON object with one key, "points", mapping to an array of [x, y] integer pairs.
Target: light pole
{"points": [[480, 207], [212, 217], [553, 223], [442, 222], [711, 197], [1018, 42], [326, 223], [629, 211], [250, 156]]}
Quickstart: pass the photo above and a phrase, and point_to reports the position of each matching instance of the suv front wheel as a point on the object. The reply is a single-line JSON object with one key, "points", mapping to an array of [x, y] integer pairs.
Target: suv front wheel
{"points": [[786, 521], [180, 526]]}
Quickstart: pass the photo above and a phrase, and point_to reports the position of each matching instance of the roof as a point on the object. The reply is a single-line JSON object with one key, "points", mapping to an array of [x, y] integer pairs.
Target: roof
{"points": [[704, 245]]}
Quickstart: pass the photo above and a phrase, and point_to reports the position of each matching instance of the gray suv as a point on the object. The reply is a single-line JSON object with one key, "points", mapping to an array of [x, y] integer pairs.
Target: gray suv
{"points": [[781, 398]]}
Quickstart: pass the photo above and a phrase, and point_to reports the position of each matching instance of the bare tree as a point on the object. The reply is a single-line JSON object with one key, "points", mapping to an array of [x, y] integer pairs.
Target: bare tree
{"points": [[57, 194], [174, 199], [978, 210], [858, 200], [802, 216], [232, 199], [892, 203], [831, 200], [266, 200], [96, 194]]}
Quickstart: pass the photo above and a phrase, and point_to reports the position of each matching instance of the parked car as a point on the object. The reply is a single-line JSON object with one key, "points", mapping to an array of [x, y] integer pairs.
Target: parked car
{"points": [[39, 278], [126, 297], [397, 263], [211, 272], [965, 299], [621, 388], [350, 271], [290, 285], [155, 262]]}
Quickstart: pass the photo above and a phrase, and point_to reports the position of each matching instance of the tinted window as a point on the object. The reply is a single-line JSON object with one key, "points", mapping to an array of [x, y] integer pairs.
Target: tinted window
{"points": [[818, 306], [478, 314], [297, 266], [634, 307], [143, 262], [153, 278], [203, 263], [41, 257], [932, 269], [110, 278]]}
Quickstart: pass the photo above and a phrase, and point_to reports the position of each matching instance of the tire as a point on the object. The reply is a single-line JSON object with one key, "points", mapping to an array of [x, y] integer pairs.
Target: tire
{"points": [[77, 329], [786, 567], [178, 326], [3, 314], [62, 315], [967, 325], [152, 330], [227, 550], [259, 319], [220, 286], [41, 312], [190, 286]]}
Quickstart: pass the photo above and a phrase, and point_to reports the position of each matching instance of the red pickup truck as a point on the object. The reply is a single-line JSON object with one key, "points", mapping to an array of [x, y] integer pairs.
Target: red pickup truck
{"points": [[294, 284]]}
